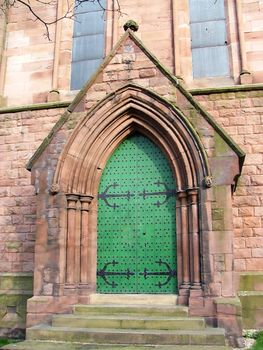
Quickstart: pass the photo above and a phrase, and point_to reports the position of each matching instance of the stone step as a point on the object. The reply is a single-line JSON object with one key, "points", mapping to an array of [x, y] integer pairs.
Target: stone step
{"points": [[45, 345], [138, 299], [209, 336], [132, 322], [149, 310]]}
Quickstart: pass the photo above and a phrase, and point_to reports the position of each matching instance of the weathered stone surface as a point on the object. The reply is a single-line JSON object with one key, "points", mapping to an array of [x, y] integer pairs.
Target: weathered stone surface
{"points": [[207, 337], [41, 345], [15, 290]]}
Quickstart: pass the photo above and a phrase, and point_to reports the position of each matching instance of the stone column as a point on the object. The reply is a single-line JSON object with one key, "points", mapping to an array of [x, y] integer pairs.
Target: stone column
{"points": [[194, 238], [84, 247], [70, 243], [185, 286]]}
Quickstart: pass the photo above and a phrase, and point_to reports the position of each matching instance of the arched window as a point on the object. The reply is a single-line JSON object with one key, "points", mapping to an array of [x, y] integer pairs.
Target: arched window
{"points": [[209, 38], [88, 41]]}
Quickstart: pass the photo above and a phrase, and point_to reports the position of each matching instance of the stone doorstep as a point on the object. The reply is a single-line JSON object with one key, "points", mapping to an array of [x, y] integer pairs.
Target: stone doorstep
{"points": [[130, 309], [136, 326], [208, 336], [138, 299], [45, 345], [131, 322]]}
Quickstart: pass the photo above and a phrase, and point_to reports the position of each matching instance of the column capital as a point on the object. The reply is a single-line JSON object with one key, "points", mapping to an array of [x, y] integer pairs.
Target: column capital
{"points": [[72, 197], [72, 201], [192, 194], [86, 198], [181, 194], [85, 202]]}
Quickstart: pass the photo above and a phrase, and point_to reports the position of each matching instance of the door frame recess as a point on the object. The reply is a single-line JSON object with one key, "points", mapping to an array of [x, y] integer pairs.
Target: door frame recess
{"points": [[91, 144]]}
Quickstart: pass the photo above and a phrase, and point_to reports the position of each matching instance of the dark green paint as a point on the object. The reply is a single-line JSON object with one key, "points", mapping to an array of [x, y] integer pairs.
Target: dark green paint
{"points": [[136, 221]]}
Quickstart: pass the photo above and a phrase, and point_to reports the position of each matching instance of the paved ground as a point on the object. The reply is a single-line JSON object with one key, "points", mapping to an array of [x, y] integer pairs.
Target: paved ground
{"points": [[33, 345]]}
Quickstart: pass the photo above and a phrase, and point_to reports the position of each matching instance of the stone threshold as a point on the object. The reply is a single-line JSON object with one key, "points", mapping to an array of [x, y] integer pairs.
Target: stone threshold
{"points": [[134, 299]]}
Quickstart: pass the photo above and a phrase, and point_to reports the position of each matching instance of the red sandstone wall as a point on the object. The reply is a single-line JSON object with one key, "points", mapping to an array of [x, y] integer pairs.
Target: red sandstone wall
{"points": [[20, 135], [35, 65], [155, 26], [241, 115], [28, 56], [253, 29]]}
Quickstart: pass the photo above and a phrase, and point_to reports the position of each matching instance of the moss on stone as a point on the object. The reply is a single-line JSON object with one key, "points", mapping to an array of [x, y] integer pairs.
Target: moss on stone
{"points": [[15, 289], [219, 90], [48, 139], [250, 281], [251, 297], [228, 96], [228, 301], [256, 93], [242, 94], [218, 225], [221, 147], [13, 246], [16, 281], [217, 214], [73, 120], [252, 308], [34, 107], [193, 116]]}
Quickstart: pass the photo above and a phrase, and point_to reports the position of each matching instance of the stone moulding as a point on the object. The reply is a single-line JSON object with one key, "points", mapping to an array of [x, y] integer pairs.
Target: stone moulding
{"points": [[78, 207], [109, 122], [131, 109]]}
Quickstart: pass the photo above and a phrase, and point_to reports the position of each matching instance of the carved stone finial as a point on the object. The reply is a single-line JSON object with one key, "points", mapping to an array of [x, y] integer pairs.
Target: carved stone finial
{"points": [[54, 189], [208, 181], [131, 25]]}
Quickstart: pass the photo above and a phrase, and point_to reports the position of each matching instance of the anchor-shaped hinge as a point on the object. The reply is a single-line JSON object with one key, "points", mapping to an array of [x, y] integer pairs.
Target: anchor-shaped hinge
{"points": [[103, 273], [170, 273], [105, 195], [167, 193]]}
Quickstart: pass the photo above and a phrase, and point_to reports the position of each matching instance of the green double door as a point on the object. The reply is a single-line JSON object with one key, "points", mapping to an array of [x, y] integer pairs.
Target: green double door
{"points": [[136, 221]]}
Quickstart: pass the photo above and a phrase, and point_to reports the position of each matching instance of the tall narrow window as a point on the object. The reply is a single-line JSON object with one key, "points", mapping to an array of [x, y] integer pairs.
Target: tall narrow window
{"points": [[209, 39], [88, 41]]}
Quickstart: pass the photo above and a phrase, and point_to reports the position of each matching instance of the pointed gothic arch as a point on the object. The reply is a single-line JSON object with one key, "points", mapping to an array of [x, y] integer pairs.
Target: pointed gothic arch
{"points": [[130, 109]]}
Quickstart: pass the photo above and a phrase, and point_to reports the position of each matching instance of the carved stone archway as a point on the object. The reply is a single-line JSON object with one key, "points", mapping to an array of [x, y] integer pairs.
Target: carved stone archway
{"points": [[80, 167]]}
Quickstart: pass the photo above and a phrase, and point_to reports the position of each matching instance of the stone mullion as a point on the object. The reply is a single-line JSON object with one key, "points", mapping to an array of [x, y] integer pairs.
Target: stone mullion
{"points": [[77, 242], [194, 232], [179, 243], [71, 229], [84, 238], [185, 241], [190, 234]]}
